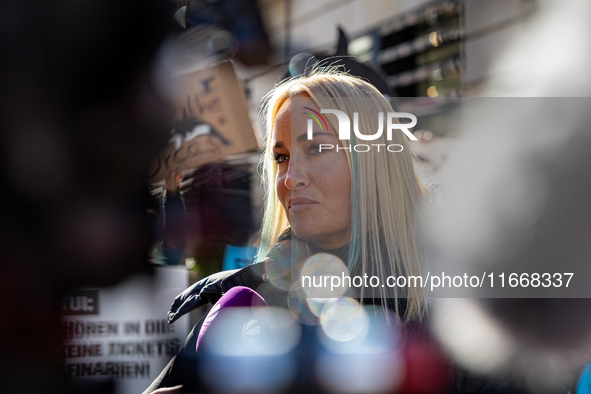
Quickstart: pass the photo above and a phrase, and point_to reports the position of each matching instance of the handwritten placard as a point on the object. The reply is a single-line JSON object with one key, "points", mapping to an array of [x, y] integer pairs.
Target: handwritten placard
{"points": [[211, 121]]}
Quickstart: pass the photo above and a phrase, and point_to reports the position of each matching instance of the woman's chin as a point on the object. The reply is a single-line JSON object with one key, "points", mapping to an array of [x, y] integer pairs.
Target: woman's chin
{"points": [[306, 230], [319, 239]]}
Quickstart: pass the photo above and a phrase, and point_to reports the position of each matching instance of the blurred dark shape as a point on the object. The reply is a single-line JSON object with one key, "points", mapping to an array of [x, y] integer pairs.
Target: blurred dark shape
{"points": [[559, 324], [168, 219], [240, 17], [304, 62], [427, 368], [219, 212], [80, 125]]}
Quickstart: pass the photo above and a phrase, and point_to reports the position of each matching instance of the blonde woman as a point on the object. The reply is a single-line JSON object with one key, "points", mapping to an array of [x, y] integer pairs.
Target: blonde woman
{"points": [[362, 205], [327, 194], [365, 200]]}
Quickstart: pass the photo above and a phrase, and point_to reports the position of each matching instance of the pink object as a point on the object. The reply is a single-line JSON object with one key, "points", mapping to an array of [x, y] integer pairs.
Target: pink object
{"points": [[238, 296]]}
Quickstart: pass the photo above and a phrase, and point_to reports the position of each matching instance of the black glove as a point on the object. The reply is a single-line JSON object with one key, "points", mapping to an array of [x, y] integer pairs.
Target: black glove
{"points": [[212, 288]]}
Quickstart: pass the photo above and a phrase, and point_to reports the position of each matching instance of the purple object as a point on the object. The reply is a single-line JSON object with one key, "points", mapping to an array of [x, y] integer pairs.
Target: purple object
{"points": [[238, 296]]}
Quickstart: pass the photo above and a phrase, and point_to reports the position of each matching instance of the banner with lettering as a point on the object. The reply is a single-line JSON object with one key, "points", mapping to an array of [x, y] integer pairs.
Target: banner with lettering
{"points": [[211, 121], [120, 333]]}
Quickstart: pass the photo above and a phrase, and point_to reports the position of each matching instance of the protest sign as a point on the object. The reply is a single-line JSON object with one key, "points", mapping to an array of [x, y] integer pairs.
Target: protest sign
{"points": [[120, 333], [211, 121]]}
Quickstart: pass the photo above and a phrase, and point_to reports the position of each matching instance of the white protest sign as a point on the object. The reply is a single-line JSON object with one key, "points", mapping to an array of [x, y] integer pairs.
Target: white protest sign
{"points": [[121, 332]]}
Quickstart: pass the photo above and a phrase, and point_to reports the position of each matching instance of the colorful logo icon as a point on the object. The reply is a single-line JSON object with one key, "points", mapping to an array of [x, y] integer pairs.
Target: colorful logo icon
{"points": [[315, 117]]}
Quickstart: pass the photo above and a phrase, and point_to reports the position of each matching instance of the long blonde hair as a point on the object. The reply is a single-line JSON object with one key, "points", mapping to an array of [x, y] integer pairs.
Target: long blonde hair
{"points": [[385, 192]]}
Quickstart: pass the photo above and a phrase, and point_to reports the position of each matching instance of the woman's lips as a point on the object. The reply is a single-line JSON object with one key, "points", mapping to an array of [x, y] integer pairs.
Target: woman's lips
{"points": [[297, 204]]}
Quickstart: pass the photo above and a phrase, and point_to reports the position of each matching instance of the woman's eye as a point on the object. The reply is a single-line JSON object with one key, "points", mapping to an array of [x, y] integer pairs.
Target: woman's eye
{"points": [[314, 149], [279, 158]]}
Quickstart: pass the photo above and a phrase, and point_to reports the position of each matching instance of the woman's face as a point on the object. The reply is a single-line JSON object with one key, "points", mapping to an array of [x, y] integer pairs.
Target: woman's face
{"points": [[313, 185]]}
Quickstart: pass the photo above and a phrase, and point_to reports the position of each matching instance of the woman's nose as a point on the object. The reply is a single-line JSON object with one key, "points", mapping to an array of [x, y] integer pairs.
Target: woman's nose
{"points": [[295, 177]]}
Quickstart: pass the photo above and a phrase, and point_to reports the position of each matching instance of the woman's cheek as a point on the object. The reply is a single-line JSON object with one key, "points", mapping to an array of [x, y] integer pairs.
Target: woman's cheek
{"points": [[281, 190]]}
